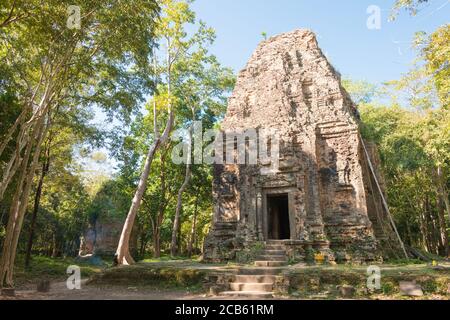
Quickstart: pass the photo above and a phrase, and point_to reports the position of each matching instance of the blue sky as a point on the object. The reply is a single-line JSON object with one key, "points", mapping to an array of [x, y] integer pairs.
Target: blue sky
{"points": [[356, 51]]}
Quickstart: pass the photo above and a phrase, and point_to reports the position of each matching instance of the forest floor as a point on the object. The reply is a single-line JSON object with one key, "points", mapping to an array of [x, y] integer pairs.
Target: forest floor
{"points": [[184, 280]]}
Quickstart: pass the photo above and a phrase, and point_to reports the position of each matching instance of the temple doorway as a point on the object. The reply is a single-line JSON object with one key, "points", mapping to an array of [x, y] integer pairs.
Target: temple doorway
{"points": [[278, 217]]}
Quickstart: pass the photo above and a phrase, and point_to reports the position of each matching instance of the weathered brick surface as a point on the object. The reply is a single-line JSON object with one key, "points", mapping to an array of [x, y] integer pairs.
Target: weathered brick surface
{"points": [[289, 86]]}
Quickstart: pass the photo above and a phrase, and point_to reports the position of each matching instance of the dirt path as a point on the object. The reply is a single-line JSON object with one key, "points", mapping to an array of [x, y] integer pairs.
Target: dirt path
{"points": [[59, 291]]}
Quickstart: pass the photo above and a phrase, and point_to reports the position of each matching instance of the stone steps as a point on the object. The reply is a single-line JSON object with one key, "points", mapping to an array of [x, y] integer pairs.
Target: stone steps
{"points": [[275, 243], [255, 278], [258, 282], [248, 294], [270, 263], [272, 258], [274, 255], [261, 271], [275, 252], [275, 247], [252, 287]]}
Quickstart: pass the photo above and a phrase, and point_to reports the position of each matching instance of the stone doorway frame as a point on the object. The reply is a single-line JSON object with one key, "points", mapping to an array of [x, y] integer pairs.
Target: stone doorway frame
{"points": [[290, 192]]}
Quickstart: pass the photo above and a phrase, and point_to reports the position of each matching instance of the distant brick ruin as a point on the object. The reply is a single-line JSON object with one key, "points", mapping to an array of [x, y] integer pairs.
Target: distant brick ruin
{"points": [[323, 197]]}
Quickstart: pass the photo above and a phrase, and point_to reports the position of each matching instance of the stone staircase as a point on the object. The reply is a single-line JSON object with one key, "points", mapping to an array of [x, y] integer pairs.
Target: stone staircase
{"points": [[258, 282], [274, 255]]}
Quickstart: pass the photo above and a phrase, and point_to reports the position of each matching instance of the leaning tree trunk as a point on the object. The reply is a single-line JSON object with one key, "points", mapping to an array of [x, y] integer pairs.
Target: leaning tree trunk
{"points": [[37, 200], [20, 202], [123, 250], [123, 255], [157, 244]]}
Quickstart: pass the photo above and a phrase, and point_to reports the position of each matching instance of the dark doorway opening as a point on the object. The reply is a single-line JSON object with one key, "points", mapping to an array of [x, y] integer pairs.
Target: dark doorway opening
{"points": [[278, 217]]}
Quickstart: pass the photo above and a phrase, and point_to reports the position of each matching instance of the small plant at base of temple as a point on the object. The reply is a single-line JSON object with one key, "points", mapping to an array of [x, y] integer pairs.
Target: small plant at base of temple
{"points": [[309, 255], [249, 255]]}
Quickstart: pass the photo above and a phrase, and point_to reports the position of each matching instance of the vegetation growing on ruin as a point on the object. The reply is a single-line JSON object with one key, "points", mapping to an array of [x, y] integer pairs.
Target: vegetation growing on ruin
{"points": [[55, 82]]}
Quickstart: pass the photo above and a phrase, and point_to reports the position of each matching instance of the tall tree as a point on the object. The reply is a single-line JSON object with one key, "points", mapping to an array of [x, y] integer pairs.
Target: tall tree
{"points": [[170, 30], [181, 56], [53, 65]]}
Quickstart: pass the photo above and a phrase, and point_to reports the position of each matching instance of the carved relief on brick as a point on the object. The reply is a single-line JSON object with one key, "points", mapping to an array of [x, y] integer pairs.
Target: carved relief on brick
{"points": [[318, 198]]}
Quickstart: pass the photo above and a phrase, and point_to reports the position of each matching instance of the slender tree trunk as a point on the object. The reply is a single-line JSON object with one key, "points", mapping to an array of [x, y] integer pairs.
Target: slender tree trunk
{"points": [[444, 250], [24, 139], [431, 226], [50, 247], [37, 200], [176, 222], [17, 124], [192, 238], [143, 243], [3, 209], [20, 202], [421, 241], [408, 231], [424, 229], [161, 216], [157, 244], [442, 190], [157, 233], [54, 246], [187, 179], [161, 210]]}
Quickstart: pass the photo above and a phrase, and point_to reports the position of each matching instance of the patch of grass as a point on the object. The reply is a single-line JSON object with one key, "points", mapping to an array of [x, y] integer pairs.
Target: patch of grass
{"points": [[404, 261], [433, 281], [388, 287], [49, 268], [168, 258], [142, 275], [249, 256]]}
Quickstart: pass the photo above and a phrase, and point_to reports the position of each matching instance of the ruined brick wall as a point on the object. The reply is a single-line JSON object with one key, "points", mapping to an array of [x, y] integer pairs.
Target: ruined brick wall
{"points": [[289, 86], [103, 238]]}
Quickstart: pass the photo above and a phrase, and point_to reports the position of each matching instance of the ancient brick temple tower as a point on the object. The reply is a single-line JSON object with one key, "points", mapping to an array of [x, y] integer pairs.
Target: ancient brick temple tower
{"points": [[323, 197]]}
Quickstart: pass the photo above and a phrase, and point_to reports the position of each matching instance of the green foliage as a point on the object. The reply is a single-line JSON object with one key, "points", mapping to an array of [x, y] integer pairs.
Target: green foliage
{"points": [[413, 137], [110, 203], [199, 86], [103, 63], [388, 287], [360, 91], [412, 145], [250, 255], [108, 69], [436, 52], [50, 268], [412, 6]]}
